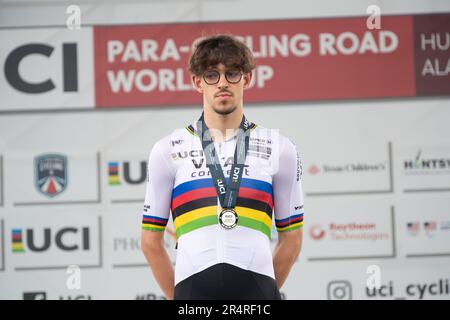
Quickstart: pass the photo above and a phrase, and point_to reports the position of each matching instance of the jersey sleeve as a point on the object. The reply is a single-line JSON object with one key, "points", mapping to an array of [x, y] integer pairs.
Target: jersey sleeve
{"points": [[287, 189], [160, 179]]}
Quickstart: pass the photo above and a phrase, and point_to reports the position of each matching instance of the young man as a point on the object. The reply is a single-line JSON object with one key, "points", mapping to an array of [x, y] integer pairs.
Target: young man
{"points": [[223, 226]]}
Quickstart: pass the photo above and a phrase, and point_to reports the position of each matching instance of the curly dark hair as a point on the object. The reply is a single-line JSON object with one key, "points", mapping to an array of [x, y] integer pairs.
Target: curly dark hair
{"points": [[225, 49]]}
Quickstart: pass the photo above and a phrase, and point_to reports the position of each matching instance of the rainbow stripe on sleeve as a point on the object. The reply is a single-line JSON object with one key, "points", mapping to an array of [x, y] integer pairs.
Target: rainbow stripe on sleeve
{"points": [[291, 223], [153, 223]]}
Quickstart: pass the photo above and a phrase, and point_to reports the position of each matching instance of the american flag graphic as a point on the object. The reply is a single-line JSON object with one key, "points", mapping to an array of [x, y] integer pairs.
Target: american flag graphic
{"points": [[430, 227], [413, 228]]}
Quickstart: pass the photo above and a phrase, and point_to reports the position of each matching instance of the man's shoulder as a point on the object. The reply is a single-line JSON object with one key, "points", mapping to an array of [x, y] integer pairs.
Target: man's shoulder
{"points": [[274, 135], [177, 137]]}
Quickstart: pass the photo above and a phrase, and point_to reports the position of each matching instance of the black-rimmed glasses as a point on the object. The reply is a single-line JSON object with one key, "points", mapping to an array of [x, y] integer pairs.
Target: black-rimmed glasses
{"points": [[213, 76]]}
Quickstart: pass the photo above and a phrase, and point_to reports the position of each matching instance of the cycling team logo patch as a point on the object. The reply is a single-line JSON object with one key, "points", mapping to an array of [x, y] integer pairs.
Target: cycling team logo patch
{"points": [[51, 174]]}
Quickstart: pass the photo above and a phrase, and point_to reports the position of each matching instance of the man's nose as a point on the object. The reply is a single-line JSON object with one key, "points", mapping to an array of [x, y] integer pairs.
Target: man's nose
{"points": [[223, 82]]}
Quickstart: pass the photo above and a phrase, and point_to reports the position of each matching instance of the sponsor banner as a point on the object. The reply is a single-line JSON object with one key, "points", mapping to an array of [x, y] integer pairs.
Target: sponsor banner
{"points": [[424, 226], [348, 169], [432, 54], [146, 65], [336, 58], [48, 68], [50, 177], [423, 168], [126, 177], [48, 240], [349, 232], [124, 237]]}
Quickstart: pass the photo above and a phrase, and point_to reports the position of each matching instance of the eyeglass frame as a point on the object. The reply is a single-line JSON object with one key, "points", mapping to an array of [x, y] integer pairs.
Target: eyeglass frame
{"points": [[220, 75]]}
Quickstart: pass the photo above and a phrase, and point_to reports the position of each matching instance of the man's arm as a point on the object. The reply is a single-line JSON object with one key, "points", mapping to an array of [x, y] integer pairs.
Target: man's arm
{"points": [[288, 205], [286, 252], [152, 244], [160, 179]]}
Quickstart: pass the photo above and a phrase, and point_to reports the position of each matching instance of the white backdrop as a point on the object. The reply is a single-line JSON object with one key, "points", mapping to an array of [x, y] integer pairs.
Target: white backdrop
{"points": [[355, 175]]}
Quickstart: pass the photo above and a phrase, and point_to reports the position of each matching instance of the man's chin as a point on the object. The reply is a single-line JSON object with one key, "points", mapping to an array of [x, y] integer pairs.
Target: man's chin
{"points": [[224, 110]]}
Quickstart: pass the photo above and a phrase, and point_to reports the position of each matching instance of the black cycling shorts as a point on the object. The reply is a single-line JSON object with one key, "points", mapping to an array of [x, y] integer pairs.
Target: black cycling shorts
{"points": [[224, 282]]}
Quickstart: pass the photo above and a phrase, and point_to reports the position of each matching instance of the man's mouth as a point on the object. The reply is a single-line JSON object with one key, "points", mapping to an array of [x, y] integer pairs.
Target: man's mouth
{"points": [[223, 95]]}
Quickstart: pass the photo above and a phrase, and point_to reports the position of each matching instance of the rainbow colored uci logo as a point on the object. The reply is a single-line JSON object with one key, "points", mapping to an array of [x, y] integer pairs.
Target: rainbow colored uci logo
{"points": [[17, 241]]}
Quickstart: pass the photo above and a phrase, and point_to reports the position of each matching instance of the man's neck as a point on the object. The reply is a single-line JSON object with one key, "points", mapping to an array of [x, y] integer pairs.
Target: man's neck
{"points": [[225, 124]]}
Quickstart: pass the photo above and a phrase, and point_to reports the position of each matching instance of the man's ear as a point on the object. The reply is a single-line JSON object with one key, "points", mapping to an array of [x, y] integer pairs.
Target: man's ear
{"points": [[197, 83], [247, 79]]}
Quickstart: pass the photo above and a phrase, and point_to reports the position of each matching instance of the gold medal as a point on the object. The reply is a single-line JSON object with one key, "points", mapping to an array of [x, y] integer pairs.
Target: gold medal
{"points": [[228, 218]]}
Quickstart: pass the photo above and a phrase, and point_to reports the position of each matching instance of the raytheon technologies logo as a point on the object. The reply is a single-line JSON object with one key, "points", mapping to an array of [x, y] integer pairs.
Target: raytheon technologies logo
{"points": [[313, 169], [316, 232], [352, 231]]}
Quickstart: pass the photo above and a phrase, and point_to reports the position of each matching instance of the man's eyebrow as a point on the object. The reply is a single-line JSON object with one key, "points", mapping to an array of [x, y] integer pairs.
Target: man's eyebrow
{"points": [[226, 69]]}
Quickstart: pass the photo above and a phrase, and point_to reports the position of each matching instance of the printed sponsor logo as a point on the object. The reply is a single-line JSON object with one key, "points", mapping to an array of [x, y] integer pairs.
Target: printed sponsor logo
{"points": [[316, 232], [426, 165], [445, 225], [17, 80], [299, 167], [313, 169], [221, 186], [126, 244], [36, 245], [51, 174], [416, 290], [176, 142], [38, 295], [122, 172], [150, 296], [187, 154], [113, 173], [236, 174], [348, 232], [17, 241], [42, 295], [347, 168], [259, 151], [27, 240], [339, 290]]}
